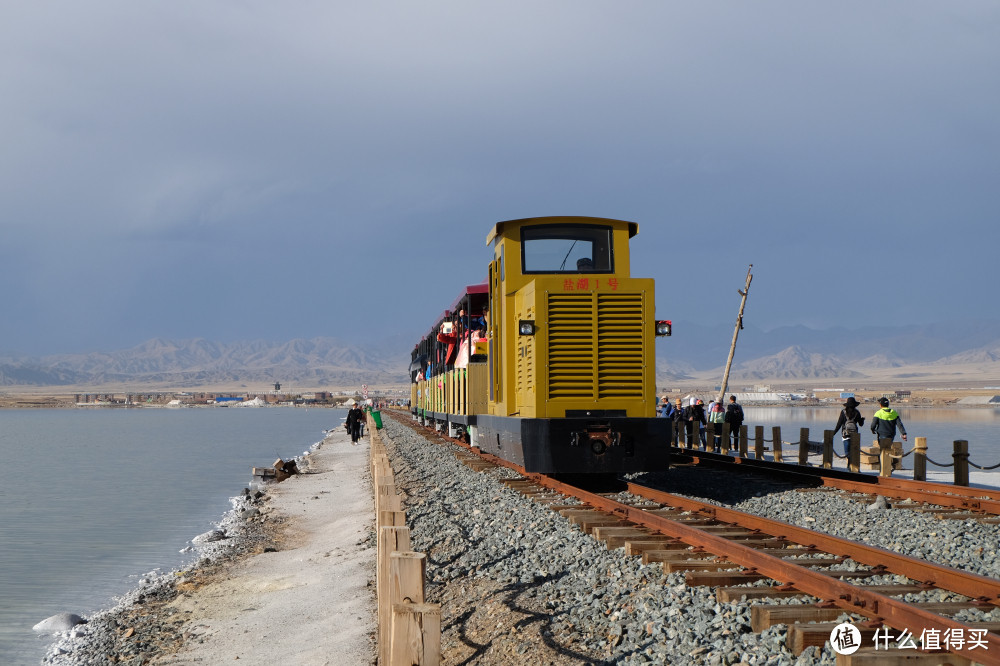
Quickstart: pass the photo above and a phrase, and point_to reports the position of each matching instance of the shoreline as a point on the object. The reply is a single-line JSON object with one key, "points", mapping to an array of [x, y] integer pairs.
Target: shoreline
{"points": [[242, 588]]}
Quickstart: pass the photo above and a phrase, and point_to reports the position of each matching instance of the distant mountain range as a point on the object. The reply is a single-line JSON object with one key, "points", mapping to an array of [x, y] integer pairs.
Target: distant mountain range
{"points": [[315, 364], [937, 352], [694, 354]]}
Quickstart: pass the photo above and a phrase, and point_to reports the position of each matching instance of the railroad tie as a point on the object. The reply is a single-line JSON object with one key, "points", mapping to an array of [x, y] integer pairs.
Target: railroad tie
{"points": [[615, 537]]}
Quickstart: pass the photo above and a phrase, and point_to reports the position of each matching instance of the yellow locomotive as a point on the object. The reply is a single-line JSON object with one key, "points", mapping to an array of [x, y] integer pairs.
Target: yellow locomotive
{"points": [[551, 363]]}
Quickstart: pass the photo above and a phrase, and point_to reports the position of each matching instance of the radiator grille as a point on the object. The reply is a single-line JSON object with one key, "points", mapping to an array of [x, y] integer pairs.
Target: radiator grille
{"points": [[595, 345]]}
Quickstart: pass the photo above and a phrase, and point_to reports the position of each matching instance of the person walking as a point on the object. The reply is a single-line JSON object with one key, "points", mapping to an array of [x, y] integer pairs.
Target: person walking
{"points": [[886, 420], [734, 417], [354, 418], [849, 422]]}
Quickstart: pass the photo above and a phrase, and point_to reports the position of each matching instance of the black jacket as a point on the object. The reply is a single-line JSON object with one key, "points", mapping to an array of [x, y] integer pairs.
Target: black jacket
{"points": [[885, 422], [734, 415]]}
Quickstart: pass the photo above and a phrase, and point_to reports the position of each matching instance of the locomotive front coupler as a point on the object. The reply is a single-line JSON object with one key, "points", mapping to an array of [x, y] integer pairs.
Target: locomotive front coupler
{"points": [[598, 436]]}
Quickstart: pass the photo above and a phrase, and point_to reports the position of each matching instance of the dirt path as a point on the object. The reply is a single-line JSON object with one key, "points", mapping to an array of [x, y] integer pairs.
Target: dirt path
{"points": [[312, 601]]}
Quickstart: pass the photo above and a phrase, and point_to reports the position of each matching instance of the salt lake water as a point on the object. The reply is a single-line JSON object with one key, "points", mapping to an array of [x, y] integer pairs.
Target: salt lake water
{"points": [[92, 499]]}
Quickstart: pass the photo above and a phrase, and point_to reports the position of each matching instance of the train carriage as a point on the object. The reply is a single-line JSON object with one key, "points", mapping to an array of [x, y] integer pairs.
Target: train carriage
{"points": [[551, 363]]}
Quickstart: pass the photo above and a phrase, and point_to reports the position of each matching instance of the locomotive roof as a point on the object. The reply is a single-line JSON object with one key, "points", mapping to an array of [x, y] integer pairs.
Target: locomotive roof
{"points": [[633, 227]]}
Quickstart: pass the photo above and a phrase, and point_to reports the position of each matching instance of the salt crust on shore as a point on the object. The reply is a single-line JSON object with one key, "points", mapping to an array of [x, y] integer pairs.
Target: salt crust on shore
{"points": [[310, 603]]}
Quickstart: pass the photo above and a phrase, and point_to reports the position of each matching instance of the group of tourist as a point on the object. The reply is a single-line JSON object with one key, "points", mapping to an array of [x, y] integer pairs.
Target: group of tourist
{"points": [[693, 418], [884, 422]]}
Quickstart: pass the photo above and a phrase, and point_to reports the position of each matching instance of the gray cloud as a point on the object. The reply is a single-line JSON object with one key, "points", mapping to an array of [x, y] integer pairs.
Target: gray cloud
{"points": [[225, 170]]}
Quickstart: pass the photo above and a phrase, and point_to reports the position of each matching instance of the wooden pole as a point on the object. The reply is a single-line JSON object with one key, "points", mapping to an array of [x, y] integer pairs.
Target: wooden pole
{"points": [[961, 456], [416, 635], [736, 332], [803, 446], [919, 458], [406, 577], [390, 539], [885, 457], [758, 443], [854, 452], [827, 449], [776, 443]]}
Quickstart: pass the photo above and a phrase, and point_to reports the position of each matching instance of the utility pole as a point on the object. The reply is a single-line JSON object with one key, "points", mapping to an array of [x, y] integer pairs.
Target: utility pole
{"points": [[739, 327]]}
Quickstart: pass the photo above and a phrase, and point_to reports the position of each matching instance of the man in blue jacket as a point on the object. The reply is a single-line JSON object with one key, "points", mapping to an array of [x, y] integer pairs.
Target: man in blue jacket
{"points": [[885, 422]]}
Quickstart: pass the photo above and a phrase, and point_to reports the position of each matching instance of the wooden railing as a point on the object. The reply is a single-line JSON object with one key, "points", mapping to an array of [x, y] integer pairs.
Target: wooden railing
{"points": [[409, 630], [884, 455]]}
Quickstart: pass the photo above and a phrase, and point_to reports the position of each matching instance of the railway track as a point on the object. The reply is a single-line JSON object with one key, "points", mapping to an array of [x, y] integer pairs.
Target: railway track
{"points": [[946, 501], [754, 558]]}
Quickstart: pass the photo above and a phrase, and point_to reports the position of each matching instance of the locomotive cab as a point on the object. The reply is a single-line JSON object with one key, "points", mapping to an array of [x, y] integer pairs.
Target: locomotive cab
{"points": [[571, 330], [571, 349]]}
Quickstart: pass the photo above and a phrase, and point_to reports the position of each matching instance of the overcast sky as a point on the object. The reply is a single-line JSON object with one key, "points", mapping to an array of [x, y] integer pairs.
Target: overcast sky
{"points": [[257, 170]]}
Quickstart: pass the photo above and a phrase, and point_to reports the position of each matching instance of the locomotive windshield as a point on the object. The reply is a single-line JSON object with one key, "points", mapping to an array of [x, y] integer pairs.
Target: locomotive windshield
{"points": [[566, 249]]}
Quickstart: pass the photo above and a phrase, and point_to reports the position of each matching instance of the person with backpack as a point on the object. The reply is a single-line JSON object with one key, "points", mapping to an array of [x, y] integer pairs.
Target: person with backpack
{"points": [[850, 420], [734, 417]]}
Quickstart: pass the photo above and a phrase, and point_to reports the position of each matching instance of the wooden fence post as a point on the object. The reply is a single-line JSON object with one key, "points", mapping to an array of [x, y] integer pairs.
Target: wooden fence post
{"points": [[919, 458], [406, 577], [776, 443], [758, 444], [961, 456], [742, 434], [854, 452], [389, 539], [416, 635], [827, 449], [724, 445], [803, 446], [885, 456], [391, 519]]}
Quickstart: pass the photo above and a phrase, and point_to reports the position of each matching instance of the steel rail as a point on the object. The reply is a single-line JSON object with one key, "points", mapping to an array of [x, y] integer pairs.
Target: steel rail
{"points": [[851, 598], [964, 583], [958, 497]]}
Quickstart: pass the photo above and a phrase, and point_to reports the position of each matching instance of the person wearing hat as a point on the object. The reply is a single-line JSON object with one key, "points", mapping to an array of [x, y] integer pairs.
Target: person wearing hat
{"points": [[850, 420], [694, 416], [885, 422]]}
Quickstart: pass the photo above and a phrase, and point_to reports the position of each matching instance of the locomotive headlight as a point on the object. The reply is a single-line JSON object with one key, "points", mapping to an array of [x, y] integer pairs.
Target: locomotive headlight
{"points": [[663, 326], [526, 327]]}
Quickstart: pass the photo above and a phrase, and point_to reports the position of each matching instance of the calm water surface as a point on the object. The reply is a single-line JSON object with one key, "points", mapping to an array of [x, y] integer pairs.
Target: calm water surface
{"points": [[91, 499]]}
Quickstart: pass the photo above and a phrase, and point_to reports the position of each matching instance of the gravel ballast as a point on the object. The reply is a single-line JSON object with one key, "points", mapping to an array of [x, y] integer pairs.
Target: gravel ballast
{"points": [[519, 584]]}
